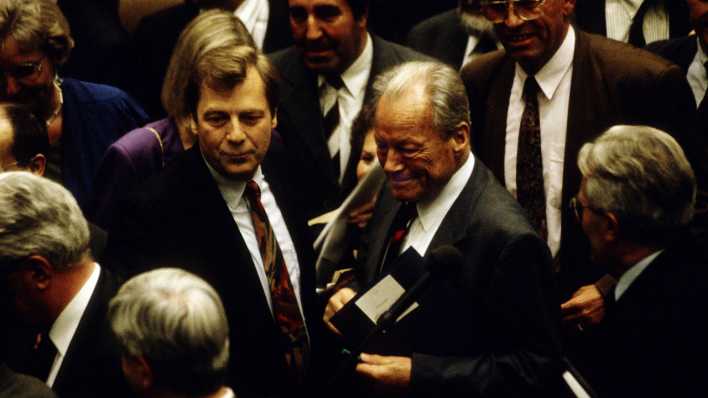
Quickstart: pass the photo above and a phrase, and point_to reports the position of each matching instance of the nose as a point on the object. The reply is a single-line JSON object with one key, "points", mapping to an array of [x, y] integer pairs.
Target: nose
{"points": [[512, 20], [234, 133], [392, 161], [312, 29]]}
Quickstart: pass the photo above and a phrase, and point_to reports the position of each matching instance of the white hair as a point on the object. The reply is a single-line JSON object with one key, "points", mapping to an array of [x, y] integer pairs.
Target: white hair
{"points": [[40, 217], [642, 174], [176, 321]]}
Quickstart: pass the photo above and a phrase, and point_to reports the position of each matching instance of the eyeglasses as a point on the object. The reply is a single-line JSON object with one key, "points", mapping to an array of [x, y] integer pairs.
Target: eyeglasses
{"points": [[23, 71], [496, 10], [578, 208]]}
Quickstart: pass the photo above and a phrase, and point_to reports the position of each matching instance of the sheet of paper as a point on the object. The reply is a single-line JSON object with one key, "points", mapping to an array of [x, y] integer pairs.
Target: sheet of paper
{"points": [[381, 297]]}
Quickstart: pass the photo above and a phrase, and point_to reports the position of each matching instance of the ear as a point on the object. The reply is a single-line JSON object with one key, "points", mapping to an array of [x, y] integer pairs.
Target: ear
{"points": [[38, 164], [460, 138], [612, 227], [137, 372], [40, 272], [274, 121]]}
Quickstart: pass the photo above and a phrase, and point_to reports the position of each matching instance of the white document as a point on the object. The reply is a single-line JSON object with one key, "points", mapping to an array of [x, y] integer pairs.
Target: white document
{"points": [[381, 297]]}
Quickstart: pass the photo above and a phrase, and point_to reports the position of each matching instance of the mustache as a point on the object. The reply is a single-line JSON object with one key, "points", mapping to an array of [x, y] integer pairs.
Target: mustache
{"points": [[321, 44]]}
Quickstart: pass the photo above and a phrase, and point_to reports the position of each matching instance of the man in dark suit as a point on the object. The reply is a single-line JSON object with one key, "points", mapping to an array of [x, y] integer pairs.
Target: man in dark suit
{"points": [[456, 36], [327, 75], [59, 294], [634, 203], [489, 330], [156, 35], [576, 86], [633, 22], [203, 213]]}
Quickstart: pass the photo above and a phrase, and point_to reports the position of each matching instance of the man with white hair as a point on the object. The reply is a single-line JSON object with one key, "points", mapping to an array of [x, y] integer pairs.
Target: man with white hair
{"points": [[55, 289], [636, 197], [173, 334]]}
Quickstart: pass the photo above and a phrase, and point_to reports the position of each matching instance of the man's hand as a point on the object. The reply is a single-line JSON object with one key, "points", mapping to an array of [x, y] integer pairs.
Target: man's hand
{"points": [[585, 308], [386, 373], [362, 214], [336, 302]]}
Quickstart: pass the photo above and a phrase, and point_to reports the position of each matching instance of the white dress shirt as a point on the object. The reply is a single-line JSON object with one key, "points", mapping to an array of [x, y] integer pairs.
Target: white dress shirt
{"points": [[350, 99], [620, 13], [254, 15], [697, 76], [554, 79], [470, 50], [64, 327], [626, 280], [431, 213], [232, 192]]}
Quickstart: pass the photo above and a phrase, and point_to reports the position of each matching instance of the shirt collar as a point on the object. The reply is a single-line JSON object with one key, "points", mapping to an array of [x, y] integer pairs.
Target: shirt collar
{"points": [[700, 54], [357, 75], [232, 190], [550, 75], [431, 213], [631, 274], [67, 322]]}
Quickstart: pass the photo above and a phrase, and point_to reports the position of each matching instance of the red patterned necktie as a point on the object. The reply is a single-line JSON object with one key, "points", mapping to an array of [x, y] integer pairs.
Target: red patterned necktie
{"points": [[398, 232], [529, 162], [285, 307]]}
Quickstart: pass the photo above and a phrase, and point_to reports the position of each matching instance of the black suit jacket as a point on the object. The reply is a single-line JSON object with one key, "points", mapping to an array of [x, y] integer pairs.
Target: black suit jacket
{"points": [[156, 36], [14, 385], [300, 122], [442, 37], [179, 218], [91, 366], [654, 335], [489, 331], [612, 83], [590, 17]]}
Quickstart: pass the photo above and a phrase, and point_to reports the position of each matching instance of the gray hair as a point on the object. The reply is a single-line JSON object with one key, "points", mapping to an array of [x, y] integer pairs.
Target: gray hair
{"points": [[642, 174], [40, 217], [176, 321], [446, 93], [208, 31]]}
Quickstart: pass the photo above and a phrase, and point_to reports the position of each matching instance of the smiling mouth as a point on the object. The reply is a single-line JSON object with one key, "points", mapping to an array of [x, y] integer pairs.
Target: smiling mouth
{"points": [[517, 38]]}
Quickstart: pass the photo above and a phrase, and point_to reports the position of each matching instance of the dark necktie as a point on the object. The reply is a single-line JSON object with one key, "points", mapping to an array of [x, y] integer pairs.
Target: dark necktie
{"points": [[529, 163], [43, 357], [636, 29], [703, 106], [285, 307], [398, 232], [331, 117]]}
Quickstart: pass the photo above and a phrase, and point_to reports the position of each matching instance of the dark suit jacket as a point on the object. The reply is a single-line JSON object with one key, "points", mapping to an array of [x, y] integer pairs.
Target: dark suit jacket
{"points": [[301, 125], [590, 17], [442, 37], [654, 335], [14, 385], [91, 366], [156, 36], [491, 330], [179, 218], [612, 83]]}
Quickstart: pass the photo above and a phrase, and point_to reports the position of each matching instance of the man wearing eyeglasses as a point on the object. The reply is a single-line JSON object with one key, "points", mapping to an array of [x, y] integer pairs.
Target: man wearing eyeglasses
{"points": [[636, 198], [535, 104], [82, 118]]}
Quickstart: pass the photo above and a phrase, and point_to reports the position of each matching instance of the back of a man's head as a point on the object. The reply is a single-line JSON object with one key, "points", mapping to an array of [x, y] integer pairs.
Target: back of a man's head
{"points": [[26, 136], [641, 174], [174, 322]]}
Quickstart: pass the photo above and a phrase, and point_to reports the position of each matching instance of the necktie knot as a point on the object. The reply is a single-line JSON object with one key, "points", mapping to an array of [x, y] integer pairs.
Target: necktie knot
{"points": [[531, 88], [253, 190], [335, 81]]}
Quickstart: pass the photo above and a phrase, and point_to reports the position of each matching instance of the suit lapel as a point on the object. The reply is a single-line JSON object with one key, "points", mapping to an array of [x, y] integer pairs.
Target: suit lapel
{"points": [[380, 225]]}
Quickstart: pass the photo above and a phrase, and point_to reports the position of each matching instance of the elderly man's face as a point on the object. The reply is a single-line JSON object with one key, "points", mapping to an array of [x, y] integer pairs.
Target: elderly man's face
{"points": [[234, 127], [532, 43], [327, 33], [698, 10], [26, 78], [417, 160]]}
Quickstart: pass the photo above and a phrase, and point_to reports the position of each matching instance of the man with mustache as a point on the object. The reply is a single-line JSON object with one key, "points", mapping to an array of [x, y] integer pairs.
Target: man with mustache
{"points": [[82, 118], [327, 74], [550, 90], [456, 36]]}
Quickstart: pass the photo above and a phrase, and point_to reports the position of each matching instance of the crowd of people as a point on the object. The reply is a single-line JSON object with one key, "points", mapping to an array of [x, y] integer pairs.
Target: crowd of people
{"points": [[522, 185]]}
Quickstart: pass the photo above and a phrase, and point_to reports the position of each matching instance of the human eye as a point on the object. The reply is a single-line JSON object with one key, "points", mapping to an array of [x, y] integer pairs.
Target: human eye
{"points": [[251, 118], [216, 119], [327, 13], [298, 14]]}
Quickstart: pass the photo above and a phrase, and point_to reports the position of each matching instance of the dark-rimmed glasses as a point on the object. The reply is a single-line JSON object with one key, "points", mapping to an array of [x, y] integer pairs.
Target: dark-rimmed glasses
{"points": [[496, 11], [23, 71]]}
